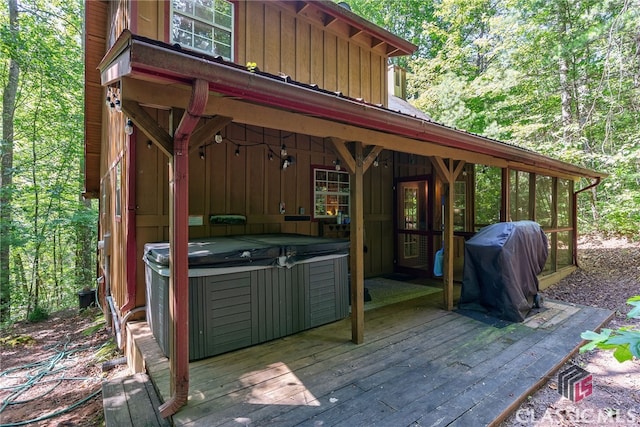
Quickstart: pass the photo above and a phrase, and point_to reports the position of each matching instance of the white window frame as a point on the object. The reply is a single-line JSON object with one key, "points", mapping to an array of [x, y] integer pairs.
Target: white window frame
{"points": [[212, 24], [329, 192]]}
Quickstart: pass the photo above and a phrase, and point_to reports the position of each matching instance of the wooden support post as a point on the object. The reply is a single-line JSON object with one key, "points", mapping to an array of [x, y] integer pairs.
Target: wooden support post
{"points": [[449, 171], [448, 245], [178, 250], [357, 245]]}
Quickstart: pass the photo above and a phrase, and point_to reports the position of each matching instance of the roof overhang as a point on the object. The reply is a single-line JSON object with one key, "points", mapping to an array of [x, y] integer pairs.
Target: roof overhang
{"points": [[153, 62]]}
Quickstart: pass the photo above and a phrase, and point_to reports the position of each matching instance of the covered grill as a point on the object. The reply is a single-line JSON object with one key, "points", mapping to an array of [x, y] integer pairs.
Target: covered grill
{"points": [[501, 265]]}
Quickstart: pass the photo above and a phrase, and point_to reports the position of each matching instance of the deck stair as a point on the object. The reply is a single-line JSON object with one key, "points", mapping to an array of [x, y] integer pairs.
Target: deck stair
{"points": [[131, 401]]}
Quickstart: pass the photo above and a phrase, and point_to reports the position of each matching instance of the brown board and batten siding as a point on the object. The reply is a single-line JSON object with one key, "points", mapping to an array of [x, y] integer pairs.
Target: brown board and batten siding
{"points": [[299, 44]]}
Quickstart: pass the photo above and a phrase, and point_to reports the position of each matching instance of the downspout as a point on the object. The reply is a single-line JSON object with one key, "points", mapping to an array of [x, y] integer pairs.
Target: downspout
{"points": [[575, 218], [178, 255], [132, 245]]}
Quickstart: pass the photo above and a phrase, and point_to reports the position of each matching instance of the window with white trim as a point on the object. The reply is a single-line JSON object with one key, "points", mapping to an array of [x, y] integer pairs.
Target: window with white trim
{"points": [[331, 193], [203, 25]]}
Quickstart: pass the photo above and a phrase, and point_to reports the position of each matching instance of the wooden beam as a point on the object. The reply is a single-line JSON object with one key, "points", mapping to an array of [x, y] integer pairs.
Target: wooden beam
{"points": [[357, 243], [441, 168], [371, 157], [205, 134], [344, 154], [458, 169], [149, 126], [257, 115]]}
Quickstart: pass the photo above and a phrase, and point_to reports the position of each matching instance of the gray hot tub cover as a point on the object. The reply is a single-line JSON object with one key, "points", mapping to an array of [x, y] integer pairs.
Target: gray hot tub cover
{"points": [[501, 265]]}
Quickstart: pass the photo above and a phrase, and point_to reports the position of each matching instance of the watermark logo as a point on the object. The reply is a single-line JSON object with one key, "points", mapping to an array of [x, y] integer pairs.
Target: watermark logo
{"points": [[575, 383]]}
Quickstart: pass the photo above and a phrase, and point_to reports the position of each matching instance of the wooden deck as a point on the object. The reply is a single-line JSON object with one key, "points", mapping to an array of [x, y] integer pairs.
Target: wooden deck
{"points": [[419, 365]]}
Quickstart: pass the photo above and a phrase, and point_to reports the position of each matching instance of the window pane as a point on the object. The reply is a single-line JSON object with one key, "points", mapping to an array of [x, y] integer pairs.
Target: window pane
{"points": [[204, 11]]}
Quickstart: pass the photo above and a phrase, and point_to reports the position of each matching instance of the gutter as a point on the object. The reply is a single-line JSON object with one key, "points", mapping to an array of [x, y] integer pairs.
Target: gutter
{"points": [[575, 217], [132, 244]]}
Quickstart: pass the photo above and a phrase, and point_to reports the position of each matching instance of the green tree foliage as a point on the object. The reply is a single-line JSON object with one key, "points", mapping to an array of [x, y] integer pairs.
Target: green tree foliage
{"points": [[625, 341], [46, 207], [561, 77]]}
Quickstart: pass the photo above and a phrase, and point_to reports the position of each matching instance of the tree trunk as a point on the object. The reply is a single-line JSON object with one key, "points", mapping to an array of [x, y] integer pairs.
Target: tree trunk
{"points": [[6, 169]]}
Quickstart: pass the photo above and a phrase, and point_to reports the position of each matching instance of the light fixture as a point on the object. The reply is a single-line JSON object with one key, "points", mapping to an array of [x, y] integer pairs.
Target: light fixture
{"points": [[288, 161], [270, 156], [337, 163], [376, 163], [149, 144], [202, 153], [237, 151], [283, 150], [218, 138], [128, 128]]}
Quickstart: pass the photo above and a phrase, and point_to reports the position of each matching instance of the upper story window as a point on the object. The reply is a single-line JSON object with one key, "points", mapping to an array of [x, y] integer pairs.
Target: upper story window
{"points": [[204, 25]]}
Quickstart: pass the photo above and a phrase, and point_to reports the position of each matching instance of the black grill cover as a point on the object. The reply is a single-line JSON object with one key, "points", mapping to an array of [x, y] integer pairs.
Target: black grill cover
{"points": [[501, 265]]}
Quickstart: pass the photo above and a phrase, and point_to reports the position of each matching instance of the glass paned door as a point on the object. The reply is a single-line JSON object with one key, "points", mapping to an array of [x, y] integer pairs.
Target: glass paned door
{"points": [[412, 237]]}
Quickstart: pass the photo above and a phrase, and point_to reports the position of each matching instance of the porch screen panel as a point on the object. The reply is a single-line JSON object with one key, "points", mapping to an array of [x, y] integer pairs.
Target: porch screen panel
{"points": [[519, 191], [550, 263], [544, 200], [460, 206], [564, 251], [564, 203], [487, 195]]}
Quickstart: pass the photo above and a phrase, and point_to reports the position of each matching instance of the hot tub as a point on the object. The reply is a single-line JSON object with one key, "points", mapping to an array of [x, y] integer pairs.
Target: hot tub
{"points": [[244, 290]]}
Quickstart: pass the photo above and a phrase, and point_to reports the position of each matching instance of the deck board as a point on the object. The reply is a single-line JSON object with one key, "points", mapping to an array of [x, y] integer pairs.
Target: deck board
{"points": [[418, 364]]}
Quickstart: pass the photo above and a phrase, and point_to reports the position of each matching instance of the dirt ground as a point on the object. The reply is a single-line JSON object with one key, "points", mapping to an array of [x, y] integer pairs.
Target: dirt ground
{"points": [[54, 366], [609, 275]]}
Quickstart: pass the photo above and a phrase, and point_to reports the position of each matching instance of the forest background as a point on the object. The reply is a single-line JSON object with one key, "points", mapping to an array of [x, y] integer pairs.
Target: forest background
{"points": [[560, 77]]}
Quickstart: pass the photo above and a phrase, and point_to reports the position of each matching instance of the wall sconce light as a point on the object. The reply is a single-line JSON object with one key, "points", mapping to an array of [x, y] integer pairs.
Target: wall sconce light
{"points": [[149, 144], [237, 151], [288, 161], [376, 163], [270, 156], [337, 163], [128, 128], [218, 138], [283, 150], [202, 153]]}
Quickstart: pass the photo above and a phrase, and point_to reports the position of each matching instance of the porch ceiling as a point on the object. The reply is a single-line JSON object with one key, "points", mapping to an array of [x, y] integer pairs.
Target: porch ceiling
{"points": [[164, 74]]}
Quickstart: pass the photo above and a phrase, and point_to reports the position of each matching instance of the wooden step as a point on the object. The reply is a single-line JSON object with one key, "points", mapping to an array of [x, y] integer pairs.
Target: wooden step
{"points": [[131, 401]]}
